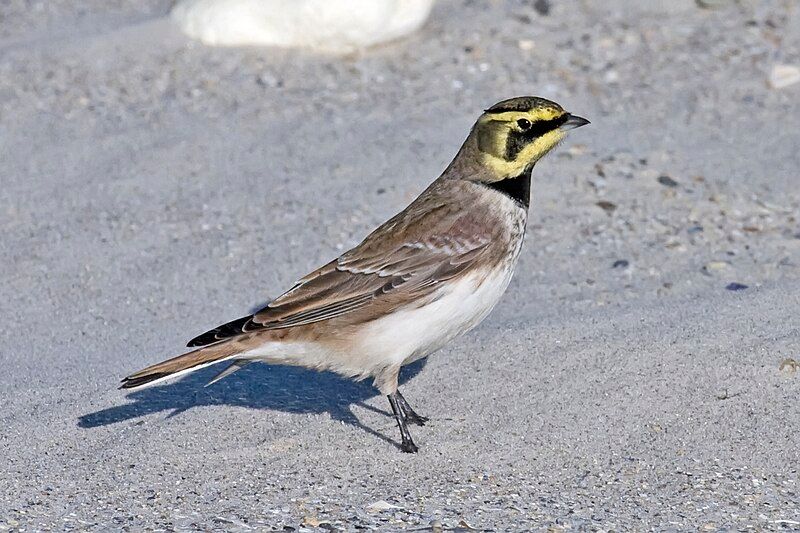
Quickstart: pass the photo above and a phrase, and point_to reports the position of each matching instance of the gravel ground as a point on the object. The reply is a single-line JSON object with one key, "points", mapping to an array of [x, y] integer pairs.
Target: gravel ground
{"points": [[638, 374]]}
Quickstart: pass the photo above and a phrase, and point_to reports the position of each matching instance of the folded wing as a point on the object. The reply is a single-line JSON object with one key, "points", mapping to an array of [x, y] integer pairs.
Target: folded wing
{"points": [[399, 262]]}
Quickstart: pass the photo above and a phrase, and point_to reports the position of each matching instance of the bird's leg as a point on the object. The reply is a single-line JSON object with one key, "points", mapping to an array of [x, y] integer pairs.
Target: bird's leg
{"points": [[409, 413], [407, 444]]}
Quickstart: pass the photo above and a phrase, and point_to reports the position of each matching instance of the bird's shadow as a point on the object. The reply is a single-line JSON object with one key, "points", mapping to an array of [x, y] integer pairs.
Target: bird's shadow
{"points": [[257, 386]]}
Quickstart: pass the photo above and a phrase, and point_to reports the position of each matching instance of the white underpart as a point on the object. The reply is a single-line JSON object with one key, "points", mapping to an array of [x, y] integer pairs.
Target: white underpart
{"points": [[338, 26], [403, 336], [408, 335]]}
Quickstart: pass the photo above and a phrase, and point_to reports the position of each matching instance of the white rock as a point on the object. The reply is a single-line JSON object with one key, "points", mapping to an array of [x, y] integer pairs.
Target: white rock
{"points": [[526, 44], [783, 75], [716, 266], [337, 26], [381, 505]]}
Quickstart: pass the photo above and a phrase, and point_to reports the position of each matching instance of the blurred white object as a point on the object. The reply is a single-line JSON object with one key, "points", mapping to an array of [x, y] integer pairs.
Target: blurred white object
{"points": [[783, 76], [327, 25]]}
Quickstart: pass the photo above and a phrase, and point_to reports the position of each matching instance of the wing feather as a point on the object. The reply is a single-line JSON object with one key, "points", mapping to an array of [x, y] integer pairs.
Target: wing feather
{"points": [[409, 255]]}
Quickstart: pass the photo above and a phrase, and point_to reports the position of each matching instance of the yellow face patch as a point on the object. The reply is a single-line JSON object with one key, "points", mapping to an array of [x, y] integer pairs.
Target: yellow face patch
{"points": [[526, 157], [512, 141]]}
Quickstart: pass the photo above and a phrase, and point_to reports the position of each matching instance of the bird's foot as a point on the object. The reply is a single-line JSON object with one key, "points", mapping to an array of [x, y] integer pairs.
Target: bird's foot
{"points": [[408, 446], [408, 413], [414, 418]]}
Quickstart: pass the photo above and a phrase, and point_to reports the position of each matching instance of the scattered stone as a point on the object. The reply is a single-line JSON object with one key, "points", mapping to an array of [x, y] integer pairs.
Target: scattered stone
{"points": [[542, 7], [311, 521], [576, 149], [712, 4], [598, 168], [789, 365], [612, 76], [525, 44], [783, 76], [436, 526], [726, 396], [608, 207], [620, 263], [735, 286], [667, 181], [715, 266], [266, 79], [381, 506]]}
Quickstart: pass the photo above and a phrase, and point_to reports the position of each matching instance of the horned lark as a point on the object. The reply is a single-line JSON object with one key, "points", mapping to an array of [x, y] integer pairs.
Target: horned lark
{"points": [[427, 275]]}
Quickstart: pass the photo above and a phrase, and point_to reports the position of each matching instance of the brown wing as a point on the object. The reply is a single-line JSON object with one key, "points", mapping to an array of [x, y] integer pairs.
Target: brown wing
{"points": [[431, 241]]}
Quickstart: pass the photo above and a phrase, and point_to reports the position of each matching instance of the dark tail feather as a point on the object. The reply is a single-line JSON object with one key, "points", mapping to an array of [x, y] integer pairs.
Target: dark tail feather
{"points": [[181, 364], [131, 382], [231, 329]]}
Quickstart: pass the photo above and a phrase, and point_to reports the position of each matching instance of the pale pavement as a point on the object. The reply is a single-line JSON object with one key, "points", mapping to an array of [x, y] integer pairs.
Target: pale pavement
{"points": [[153, 188]]}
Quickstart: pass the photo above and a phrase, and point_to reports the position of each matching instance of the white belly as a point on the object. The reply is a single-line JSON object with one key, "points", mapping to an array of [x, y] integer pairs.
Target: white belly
{"points": [[408, 335], [400, 337]]}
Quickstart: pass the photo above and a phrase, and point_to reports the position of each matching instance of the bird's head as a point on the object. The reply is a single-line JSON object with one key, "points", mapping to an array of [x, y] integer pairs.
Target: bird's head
{"points": [[512, 135]]}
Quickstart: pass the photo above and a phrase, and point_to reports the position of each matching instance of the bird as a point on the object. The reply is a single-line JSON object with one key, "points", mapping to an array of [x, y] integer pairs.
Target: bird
{"points": [[429, 274]]}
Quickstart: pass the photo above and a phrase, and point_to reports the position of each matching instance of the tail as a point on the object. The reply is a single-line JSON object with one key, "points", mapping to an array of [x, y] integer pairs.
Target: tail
{"points": [[182, 364]]}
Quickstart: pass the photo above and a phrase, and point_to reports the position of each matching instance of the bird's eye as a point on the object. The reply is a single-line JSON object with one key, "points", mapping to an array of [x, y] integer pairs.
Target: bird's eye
{"points": [[524, 124]]}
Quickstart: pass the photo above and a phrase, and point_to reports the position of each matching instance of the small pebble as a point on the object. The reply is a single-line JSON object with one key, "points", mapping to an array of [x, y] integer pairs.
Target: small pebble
{"points": [[715, 266], [268, 80], [542, 7], [381, 505], [735, 286], [783, 76], [712, 4], [526, 44], [667, 181], [608, 207]]}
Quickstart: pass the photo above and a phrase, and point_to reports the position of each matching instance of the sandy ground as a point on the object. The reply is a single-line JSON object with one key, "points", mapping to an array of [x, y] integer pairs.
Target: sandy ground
{"points": [[153, 188]]}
